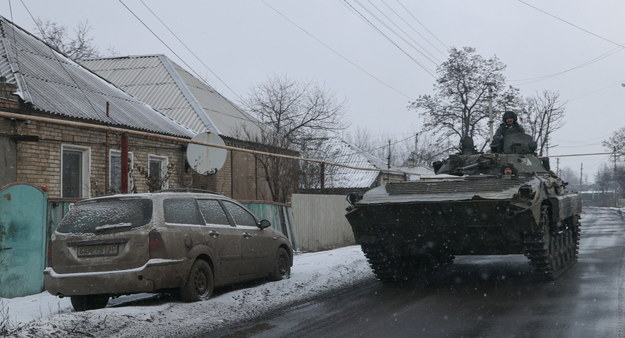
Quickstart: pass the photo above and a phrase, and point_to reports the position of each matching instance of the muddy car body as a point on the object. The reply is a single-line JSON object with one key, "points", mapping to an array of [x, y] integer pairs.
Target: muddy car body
{"points": [[470, 208], [166, 241]]}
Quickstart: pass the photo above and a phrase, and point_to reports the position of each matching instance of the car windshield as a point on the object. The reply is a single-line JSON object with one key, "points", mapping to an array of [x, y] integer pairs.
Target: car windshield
{"points": [[107, 214]]}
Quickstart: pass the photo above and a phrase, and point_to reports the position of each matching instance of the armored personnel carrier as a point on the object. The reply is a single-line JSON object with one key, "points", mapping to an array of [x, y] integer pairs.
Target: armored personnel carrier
{"points": [[507, 202]]}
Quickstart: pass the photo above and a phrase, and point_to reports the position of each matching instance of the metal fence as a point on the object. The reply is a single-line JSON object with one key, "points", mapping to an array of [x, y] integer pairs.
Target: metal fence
{"points": [[320, 223], [23, 209], [280, 215]]}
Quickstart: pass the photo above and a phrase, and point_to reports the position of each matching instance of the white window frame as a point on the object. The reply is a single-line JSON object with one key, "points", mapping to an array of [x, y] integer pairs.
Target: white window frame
{"points": [[114, 152], [164, 161], [85, 191]]}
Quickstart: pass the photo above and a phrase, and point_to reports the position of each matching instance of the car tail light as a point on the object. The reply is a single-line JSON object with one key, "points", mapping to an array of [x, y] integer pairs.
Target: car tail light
{"points": [[157, 247]]}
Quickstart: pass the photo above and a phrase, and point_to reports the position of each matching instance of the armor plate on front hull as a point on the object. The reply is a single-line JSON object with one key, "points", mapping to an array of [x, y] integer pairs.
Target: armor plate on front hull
{"points": [[463, 227]]}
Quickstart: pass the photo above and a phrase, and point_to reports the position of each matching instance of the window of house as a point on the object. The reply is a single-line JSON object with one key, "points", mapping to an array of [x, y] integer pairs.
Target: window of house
{"points": [[115, 171], [75, 172], [157, 173]]}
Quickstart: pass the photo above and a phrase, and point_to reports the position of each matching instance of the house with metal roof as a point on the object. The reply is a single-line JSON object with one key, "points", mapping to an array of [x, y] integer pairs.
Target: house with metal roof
{"points": [[343, 180], [62, 126], [172, 90]]}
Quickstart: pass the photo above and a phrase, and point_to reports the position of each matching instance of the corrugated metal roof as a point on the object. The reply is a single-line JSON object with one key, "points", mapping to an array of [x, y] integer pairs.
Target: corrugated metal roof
{"points": [[337, 150], [55, 84], [172, 90]]}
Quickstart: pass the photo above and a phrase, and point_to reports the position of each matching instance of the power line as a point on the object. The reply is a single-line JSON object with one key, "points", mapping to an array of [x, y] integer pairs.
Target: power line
{"points": [[571, 24], [401, 30], [594, 91], [56, 57], [368, 151], [412, 27], [336, 52], [422, 25], [363, 17], [191, 51], [162, 41], [587, 63]]}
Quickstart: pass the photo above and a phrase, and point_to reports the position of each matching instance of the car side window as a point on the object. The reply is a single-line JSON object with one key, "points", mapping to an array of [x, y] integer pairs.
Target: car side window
{"points": [[240, 215], [213, 212], [182, 210]]}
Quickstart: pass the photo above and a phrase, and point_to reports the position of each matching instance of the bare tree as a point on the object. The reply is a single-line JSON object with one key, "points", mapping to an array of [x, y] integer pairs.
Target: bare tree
{"points": [[296, 117], [76, 45], [421, 149], [460, 105], [616, 142], [542, 116], [426, 150], [604, 179]]}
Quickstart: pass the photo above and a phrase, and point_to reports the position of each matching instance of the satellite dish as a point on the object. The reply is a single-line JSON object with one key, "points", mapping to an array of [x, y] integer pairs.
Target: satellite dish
{"points": [[204, 159]]}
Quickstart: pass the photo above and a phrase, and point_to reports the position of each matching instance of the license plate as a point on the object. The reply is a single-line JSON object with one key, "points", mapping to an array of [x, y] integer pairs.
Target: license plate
{"points": [[97, 250]]}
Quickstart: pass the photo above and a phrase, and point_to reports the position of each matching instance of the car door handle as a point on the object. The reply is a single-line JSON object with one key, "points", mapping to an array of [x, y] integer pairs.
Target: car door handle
{"points": [[246, 235], [213, 233]]}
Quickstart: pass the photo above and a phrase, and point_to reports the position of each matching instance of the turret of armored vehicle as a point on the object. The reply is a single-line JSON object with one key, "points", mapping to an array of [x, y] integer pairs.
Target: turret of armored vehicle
{"points": [[497, 203]]}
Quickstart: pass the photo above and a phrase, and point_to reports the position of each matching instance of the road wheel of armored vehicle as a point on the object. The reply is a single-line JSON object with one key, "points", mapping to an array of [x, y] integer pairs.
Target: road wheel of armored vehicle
{"points": [[552, 250]]}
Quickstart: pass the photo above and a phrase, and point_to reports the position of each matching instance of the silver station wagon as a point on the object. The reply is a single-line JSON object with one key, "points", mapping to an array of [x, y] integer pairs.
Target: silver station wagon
{"points": [[187, 242]]}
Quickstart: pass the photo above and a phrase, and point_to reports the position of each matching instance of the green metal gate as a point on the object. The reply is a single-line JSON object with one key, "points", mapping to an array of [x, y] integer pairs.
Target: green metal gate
{"points": [[23, 210]]}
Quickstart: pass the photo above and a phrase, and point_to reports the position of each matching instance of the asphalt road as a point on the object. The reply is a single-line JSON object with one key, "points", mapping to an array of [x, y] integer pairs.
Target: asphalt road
{"points": [[478, 296]]}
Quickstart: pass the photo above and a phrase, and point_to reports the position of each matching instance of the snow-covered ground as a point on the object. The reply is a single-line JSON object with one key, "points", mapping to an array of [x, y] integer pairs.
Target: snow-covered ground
{"points": [[43, 315]]}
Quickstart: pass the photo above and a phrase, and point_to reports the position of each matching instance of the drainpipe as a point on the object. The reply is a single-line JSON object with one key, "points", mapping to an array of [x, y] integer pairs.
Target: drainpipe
{"points": [[124, 164]]}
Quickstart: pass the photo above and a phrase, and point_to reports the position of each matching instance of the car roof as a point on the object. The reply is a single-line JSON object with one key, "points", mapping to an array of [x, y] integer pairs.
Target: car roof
{"points": [[159, 195]]}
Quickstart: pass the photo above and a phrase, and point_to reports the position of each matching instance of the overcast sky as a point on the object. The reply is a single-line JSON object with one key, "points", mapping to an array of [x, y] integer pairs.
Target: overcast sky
{"points": [[245, 42]]}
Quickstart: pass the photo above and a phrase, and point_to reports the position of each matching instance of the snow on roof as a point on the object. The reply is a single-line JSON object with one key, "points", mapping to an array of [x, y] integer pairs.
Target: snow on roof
{"points": [[415, 173], [53, 83], [338, 150], [175, 92]]}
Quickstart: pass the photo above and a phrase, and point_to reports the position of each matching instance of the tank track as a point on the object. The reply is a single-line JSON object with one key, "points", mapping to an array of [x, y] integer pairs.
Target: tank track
{"points": [[551, 253], [390, 267], [383, 264]]}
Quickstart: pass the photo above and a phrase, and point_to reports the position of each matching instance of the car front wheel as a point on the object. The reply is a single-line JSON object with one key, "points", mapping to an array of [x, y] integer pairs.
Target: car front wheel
{"points": [[282, 268], [89, 302], [200, 283]]}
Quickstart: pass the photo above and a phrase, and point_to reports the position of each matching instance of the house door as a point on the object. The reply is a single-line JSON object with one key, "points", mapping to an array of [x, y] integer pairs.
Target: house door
{"points": [[22, 240]]}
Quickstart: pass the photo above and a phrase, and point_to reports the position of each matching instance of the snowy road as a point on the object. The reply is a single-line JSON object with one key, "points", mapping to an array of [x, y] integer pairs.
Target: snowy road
{"points": [[334, 293], [479, 296]]}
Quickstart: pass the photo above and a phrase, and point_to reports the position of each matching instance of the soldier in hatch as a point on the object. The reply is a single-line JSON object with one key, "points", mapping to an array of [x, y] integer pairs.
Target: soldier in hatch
{"points": [[508, 170], [508, 126]]}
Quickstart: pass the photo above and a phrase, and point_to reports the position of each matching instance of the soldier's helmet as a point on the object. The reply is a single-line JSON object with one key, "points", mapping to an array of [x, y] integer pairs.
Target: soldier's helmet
{"points": [[509, 114]]}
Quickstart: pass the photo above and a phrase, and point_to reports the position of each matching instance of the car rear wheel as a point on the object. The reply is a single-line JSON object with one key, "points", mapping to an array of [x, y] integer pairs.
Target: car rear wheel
{"points": [[200, 283], [89, 302], [282, 268]]}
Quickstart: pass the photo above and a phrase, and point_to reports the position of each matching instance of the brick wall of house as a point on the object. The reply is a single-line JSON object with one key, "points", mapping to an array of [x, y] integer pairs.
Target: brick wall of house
{"points": [[39, 163]]}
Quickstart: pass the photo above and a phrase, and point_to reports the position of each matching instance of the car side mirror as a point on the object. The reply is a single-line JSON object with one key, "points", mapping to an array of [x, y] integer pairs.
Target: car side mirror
{"points": [[264, 224]]}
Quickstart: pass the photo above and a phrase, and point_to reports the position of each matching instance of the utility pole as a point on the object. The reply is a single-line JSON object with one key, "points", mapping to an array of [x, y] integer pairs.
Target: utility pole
{"points": [[614, 149], [490, 110], [416, 143], [558, 166], [388, 161], [581, 175]]}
